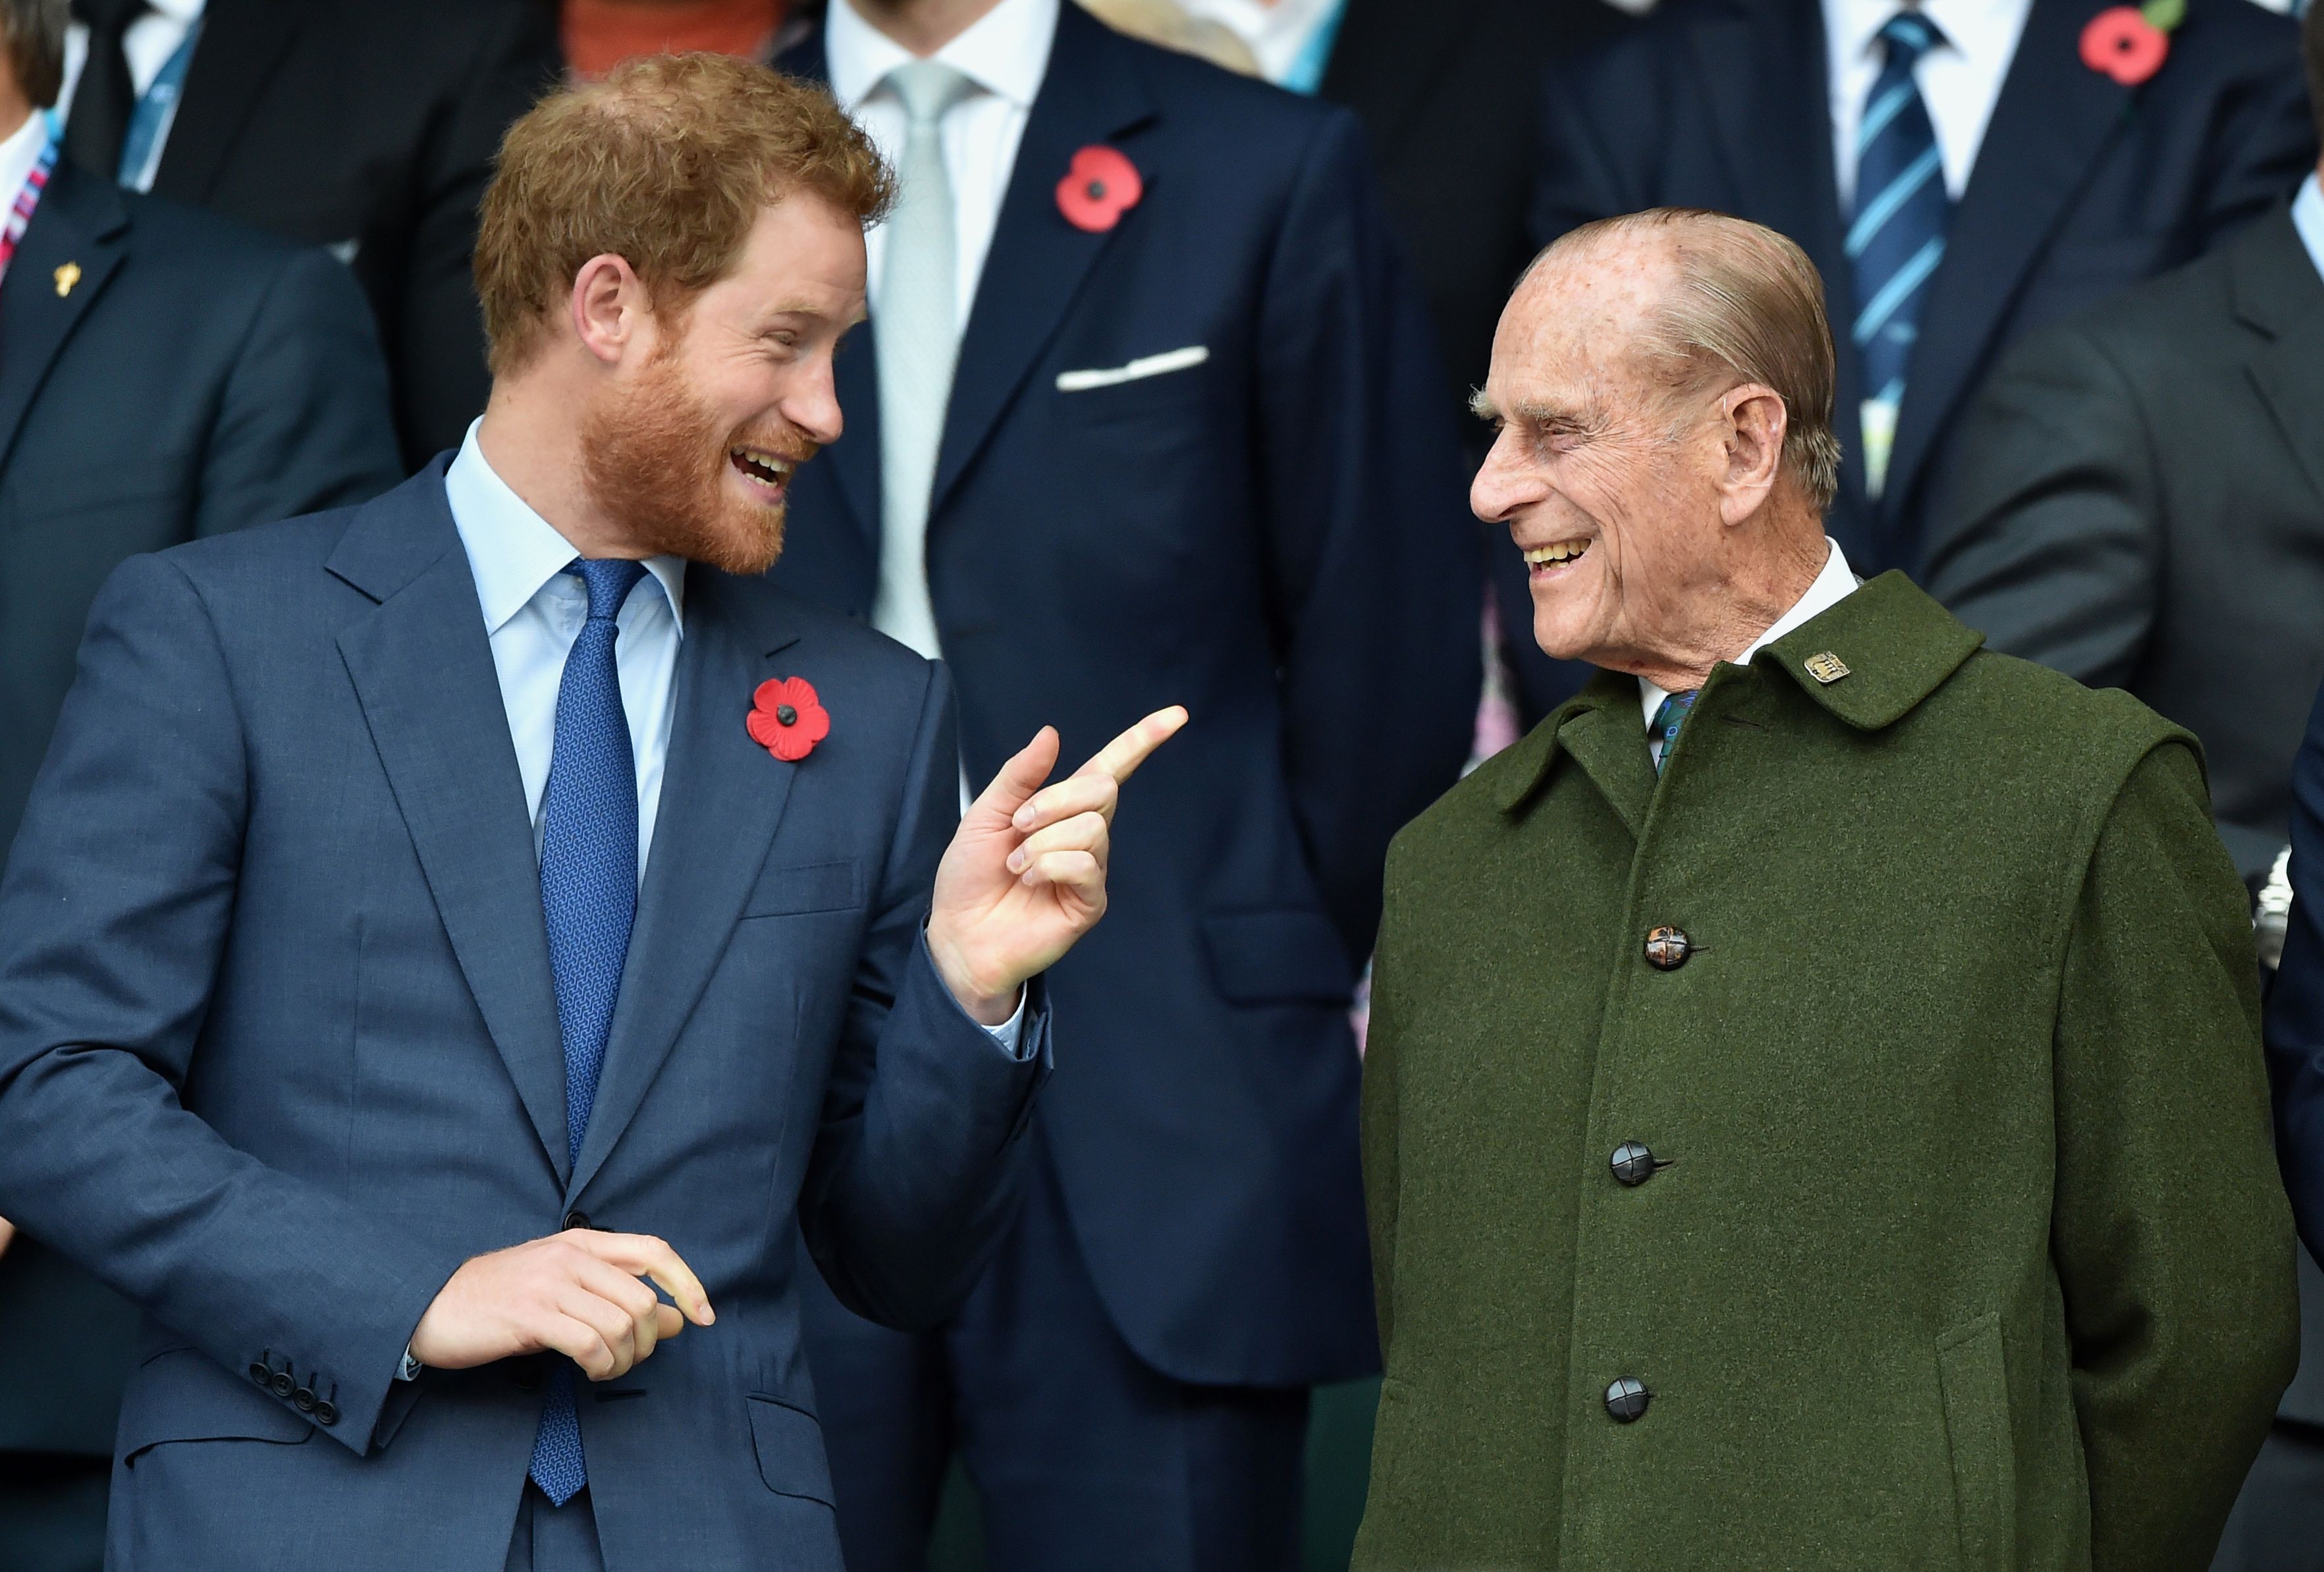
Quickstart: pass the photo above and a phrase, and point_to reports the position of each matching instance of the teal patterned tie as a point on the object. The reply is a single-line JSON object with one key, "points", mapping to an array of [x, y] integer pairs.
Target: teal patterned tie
{"points": [[1664, 727]]}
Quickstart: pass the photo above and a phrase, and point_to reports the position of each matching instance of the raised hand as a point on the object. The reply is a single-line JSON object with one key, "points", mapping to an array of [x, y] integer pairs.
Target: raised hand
{"points": [[1025, 876], [580, 1293]]}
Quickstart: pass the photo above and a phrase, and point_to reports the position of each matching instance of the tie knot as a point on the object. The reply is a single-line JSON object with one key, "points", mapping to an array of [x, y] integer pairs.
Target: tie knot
{"points": [[928, 89], [1909, 35], [108, 16], [610, 581]]}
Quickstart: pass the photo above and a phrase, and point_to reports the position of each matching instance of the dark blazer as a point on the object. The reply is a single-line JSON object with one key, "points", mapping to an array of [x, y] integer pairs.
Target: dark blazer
{"points": [[196, 377], [1277, 537], [2139, 503], [279, 1051], [2295, 1028], [2082, 187], [369, 125]]}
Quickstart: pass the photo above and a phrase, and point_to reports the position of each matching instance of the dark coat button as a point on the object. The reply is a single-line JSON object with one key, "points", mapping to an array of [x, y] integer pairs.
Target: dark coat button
{"points": [[327, 1412], [304, 1401], [1634, 1164], [281, 1383], [576, 1219], [525, 1371], [1667, 949], [260, 1374], [1627, 1399]]}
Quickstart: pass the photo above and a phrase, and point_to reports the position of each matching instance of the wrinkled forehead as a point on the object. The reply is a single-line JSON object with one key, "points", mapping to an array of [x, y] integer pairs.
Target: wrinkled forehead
{"points": [[1580, 317]]}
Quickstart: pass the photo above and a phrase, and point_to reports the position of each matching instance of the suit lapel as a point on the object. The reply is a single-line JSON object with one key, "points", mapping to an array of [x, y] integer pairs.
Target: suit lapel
{"points": [[422, 669], [2277, 292], [722, 797], [79, 223], [854, 458], [1090, 94], [2054, 117], [242, 42]]}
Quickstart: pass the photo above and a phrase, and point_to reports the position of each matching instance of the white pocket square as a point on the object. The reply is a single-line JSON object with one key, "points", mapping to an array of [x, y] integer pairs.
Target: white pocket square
{"points": [[1145, 365]]}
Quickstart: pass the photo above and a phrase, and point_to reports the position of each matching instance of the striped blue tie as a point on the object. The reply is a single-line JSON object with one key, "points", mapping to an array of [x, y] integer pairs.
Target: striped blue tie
{"points": [[589, 896], [1897, 237]]}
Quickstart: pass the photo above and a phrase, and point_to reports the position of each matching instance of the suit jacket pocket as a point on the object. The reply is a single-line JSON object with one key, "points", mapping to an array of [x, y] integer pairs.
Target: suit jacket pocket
{"points": [[789, 1443], [807, 887], [180, 1395], [1287, 956], [1975, 1387], [1140, 398]]}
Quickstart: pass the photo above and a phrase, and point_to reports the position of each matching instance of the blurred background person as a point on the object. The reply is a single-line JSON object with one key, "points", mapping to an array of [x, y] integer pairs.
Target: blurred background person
{"points": [[163, 375], [600, 34], [1857, 127], [1146, 403], [2139, 503], [367, 126]]}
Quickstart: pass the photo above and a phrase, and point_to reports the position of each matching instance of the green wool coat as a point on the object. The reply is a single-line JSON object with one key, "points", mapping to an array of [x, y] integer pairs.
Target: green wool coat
{"points": [[1967, 1248]]}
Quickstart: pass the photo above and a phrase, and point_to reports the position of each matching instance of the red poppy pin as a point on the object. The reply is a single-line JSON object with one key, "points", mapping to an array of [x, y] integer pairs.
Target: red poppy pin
{"points": [[1099, 186], [2130, 42], [785, 719]]}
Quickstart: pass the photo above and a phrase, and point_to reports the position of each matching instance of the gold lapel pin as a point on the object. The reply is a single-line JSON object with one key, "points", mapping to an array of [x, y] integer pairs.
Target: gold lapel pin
{"points": [[1825, 667], [67, 276]]}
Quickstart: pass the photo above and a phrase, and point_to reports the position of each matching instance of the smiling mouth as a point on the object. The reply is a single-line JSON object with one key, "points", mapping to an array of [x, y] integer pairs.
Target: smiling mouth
{"points": [[1555, 557], [768, 473]]}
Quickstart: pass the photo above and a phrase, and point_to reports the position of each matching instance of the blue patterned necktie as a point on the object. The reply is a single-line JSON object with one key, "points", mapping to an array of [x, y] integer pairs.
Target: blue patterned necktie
{"points": [[1664, 727], [589, 896], [1898, 236]]}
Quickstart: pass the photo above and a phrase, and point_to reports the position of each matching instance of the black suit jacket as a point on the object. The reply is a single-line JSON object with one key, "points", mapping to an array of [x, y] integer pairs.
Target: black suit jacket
{"points": [[2140, 504], [196, 377], [2082, 187], [1274, 535], [369, 124]]}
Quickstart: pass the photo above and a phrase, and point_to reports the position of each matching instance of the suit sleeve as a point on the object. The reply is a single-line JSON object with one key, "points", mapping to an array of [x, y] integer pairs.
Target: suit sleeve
{"points": [[2172, 1241], [2054, 548], [916, 1168], [305, 422], [437, 336], [2295, 1005], [114, 914], [1376, 583]]}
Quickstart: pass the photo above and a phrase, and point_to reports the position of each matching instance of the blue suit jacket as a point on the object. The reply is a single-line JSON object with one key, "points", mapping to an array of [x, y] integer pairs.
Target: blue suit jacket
{"points": [[2081, 188], [279, 1051], [1277, 538]]}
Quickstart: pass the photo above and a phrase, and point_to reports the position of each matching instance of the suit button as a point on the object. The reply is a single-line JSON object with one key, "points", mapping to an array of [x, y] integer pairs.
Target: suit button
{"points": [[525, 1371], [281, 1384], [1667, 949], [304, 1401], [1627, 1399], [576, 1219], [260, 1374], [327, 1412], [1633, 1163]]}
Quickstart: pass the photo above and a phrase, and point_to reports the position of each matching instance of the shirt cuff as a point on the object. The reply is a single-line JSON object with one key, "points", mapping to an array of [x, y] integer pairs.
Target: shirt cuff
{"points": [[411, 1368], [1009, 1032]]}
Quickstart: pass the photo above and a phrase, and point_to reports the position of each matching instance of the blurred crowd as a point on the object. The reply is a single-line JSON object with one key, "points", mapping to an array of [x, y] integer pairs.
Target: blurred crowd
{"points": [[2074, 253]]}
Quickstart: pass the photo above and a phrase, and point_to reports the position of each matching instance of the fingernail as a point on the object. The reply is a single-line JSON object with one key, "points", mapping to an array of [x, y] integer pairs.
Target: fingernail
{"points": [[1016, 862]]}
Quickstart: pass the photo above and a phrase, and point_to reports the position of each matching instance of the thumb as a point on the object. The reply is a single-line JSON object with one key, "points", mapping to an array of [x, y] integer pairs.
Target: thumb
{"points": [[1018, 778]]}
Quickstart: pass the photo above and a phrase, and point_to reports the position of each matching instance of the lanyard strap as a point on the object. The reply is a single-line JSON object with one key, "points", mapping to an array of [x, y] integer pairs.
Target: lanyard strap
{"points": [[20, 213]]}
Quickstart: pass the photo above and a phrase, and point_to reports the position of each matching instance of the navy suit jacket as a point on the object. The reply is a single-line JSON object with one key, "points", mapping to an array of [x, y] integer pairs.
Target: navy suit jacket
{"points": [[2295, 1004], [1277, 538], [278, 1049], [2081, 187]]}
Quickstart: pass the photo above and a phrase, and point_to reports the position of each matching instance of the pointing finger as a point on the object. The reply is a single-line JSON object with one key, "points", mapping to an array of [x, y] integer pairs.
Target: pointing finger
{"points": [[1120, 757]]}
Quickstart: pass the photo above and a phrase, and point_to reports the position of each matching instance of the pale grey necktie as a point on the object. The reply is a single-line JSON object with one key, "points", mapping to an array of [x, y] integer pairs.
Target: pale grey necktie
{"points": [[916, 327]]}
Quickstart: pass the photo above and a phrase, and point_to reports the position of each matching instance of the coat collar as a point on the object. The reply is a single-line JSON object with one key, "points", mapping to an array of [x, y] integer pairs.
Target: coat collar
{"points": [[80, 221], [1897, 646]]}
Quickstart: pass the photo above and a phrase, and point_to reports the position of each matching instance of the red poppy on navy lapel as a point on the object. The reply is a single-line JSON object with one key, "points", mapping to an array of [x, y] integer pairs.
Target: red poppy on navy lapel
{"points": [[786, 719], [1099, 186], [2130, 42]]}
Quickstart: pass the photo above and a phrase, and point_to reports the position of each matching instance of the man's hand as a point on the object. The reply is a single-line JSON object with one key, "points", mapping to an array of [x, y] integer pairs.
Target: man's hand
{"points": [[1025, 877], [577, 1293]]}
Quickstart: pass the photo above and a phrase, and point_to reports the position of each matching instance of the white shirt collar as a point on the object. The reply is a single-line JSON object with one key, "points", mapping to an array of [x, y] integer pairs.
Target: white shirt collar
{"points": [[1835, 584], [512, 550], [181, 12], [19, 153], [1974, 28], [1005, 51], [2308, 217]]}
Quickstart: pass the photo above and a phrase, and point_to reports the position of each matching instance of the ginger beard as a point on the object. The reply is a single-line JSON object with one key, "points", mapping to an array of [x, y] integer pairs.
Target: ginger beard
{"points": [[655, 457]]}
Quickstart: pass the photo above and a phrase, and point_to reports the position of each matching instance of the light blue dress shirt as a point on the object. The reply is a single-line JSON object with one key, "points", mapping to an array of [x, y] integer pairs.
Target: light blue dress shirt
{"points": [[2308, 217]]}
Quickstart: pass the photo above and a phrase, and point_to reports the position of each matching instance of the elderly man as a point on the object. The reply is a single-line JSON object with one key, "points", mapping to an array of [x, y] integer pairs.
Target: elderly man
{"points": [[1815, 1115]]}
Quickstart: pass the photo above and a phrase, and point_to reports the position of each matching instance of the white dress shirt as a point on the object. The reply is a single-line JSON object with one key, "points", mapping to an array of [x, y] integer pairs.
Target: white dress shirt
{"points": [[2308, 217], [1278, 31], [1835, 584], [18, 155], [1960, 78], [1005, 53], [148, 45]]}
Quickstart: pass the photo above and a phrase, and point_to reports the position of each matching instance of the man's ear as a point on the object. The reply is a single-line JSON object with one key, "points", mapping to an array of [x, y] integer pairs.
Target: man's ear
{"points": [[609, 307], [1756, 421]]}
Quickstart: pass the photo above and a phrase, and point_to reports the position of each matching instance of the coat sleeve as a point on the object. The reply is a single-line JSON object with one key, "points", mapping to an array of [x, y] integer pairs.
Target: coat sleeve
{"points": [[1377, 582], [113, 915], [917, 1168], [305, 422], [2054, 548], [1380, 1111], [2295, 1005], [2172, 1241]]}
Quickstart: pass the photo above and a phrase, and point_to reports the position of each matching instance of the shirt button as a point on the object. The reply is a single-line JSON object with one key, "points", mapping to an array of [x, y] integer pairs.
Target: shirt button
{"points": [[1633, 1163], [1667, 948], [1627, 1399]]}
